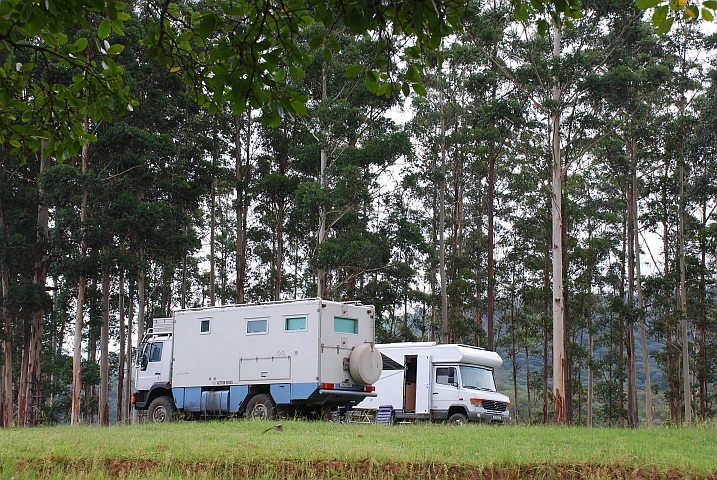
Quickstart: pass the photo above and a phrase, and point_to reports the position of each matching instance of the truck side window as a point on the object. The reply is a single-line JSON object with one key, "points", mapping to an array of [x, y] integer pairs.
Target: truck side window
{"points": [[445, 375], [256, 326], [155, 352]]}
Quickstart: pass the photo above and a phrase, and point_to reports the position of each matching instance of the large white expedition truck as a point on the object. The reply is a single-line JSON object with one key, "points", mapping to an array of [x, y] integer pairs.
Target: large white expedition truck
{"points": [[250, 359], [425, 380]]}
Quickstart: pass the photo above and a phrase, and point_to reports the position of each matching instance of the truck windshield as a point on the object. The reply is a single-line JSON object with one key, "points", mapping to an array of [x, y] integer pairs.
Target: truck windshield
{"points": [[477, 378]]}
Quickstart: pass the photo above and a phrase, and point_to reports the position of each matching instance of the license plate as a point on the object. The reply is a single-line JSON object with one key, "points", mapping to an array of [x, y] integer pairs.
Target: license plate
{"points": [[498, 417]]}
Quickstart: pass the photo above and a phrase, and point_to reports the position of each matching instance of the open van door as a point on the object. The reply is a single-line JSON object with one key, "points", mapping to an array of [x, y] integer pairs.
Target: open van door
{"points": [[423, 384]]}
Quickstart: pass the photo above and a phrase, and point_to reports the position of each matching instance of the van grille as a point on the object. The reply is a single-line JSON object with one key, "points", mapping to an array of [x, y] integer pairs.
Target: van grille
{"points": [[494, 406]]}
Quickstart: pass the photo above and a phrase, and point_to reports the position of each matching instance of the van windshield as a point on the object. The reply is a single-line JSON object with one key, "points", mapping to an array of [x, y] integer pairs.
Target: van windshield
{"points": [[477, 378]]}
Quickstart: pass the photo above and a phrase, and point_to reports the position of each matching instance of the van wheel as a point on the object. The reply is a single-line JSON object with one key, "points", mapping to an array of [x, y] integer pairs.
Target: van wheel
{"points": [[458, 419], [261, 407], [161, 410]]}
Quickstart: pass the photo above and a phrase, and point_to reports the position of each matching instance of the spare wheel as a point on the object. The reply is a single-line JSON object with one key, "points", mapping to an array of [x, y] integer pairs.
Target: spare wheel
{"points": [[365, 364]]}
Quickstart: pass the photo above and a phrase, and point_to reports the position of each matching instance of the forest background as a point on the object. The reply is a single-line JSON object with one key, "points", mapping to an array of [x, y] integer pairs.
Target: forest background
{"points": [[444, 222]]}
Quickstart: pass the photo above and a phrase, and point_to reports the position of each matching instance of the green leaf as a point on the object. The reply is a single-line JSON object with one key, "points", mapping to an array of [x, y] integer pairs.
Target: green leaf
{"points": [[711, 4], [355, 19], [665, 26], [353, 71], [81, 44], [299, 107], [659, 15], [412, 74], [327, 54], [645, 4], [335, 45], [280, 75], [115, 49], [542, 27], [372, 81], [691, 12], [520, 12], [296, 72], [317, 41], [707, 15], [103, 31], [207, 25], [406, 89], [420, 89]]}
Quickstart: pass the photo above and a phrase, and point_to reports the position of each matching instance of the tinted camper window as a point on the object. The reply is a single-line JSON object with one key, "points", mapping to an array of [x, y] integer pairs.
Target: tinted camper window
{"points": [[345, 325], [256, 326]]}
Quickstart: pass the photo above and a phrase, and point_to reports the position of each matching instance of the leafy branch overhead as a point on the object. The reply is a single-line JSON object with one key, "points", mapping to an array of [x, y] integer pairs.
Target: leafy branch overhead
{"points": [[66, 79], [241, 51], [665, 12]]}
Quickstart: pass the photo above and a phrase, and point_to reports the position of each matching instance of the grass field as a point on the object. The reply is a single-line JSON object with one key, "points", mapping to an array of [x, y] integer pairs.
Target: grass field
{"points": [[303, 449]]}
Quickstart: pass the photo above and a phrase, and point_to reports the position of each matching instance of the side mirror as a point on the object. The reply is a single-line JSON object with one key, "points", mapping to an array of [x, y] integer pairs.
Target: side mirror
{"points": [[143, 362]]}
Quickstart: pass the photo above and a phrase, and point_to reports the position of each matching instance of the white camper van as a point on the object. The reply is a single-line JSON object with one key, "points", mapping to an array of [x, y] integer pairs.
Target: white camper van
{"points": [[250, 359], [425, 380]]}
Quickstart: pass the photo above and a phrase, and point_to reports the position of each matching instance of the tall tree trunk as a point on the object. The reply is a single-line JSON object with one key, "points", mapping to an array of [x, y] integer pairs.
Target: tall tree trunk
{"points": [[212, 244], [559, 362], [546, 326], [141, 305], [640, 300], [514, 350], [122, 347], [75, 416], [7, 413], [242, 203], [128, 378], [686, 397], [321, 273], [442, 221], [632, 417], [491, 249], [104, 405], [33, 392], [702, 333], [672, 370], [589, 316]]}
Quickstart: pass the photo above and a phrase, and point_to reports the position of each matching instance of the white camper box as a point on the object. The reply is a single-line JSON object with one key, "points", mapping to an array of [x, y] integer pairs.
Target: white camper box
{"points": [[425, 380], [249, 359]]}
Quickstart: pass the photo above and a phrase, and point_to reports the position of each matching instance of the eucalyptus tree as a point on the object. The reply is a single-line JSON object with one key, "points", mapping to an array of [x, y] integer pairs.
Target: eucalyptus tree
{"points": [[702, 194], [341, 147]]}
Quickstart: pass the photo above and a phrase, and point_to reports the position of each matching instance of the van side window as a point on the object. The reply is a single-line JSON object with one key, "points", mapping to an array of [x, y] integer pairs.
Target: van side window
{"points": [[445, 375], [155, 352]]}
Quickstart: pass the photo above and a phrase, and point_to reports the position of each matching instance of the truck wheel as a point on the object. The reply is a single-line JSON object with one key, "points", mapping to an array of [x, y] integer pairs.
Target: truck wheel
{"points": [[458, 419], [261, 407], [161, 410]]}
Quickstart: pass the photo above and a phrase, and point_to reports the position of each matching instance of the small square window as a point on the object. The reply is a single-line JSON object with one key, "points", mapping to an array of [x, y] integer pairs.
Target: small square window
{"points": [[295, 323], [256, 326], [204, 326], [345, 325]]}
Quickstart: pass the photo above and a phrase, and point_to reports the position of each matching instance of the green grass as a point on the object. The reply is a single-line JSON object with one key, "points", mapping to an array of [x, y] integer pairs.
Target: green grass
{"points": [[328, 450]]}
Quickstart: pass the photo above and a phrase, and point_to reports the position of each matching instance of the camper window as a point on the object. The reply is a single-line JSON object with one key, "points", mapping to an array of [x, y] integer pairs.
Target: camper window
{"points": [[345, 325], [204, 326], [256, 326], [295, 323]]}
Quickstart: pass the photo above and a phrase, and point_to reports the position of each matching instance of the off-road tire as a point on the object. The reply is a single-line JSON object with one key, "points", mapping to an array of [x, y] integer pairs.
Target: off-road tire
{"points": [[261, 407], [161, 410]]}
